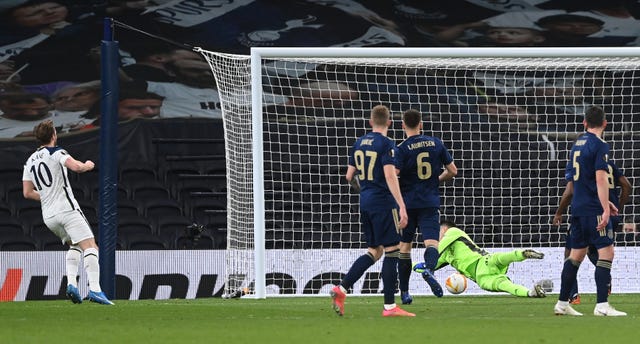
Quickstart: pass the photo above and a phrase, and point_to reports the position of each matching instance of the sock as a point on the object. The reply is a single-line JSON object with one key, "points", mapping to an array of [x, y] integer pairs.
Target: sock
{"points": [[389, 307], [92, 268], [568, 276], [603, 280], [574, 289], [592, 254], [390, 276], [404, 270], [431, 257], [73, 262], [357, 270]]}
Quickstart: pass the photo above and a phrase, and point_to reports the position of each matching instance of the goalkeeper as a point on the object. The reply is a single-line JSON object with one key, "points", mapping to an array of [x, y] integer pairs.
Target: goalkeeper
{"points": [[488, 270]]}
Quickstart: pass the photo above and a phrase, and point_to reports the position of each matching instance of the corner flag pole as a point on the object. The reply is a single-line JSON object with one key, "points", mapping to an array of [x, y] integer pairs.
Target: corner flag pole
{"points": [[108, 167]]}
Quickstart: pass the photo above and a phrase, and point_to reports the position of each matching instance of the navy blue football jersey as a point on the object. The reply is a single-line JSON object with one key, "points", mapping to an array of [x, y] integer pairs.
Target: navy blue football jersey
{"points": [[589, 154], [368, 155], [420, 159], [614, 185]]}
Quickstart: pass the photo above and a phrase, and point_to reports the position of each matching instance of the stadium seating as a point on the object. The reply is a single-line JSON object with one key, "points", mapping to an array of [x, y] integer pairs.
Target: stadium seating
{"points": [[18, 242], [204, 241], [12, 191], [47, 241], [174, 174], [142, 190], [11, 225], [89, 210], [137, 171], [5, 210], [27, 210], [202, 210], [155, 208], [127, 207], [11, 177], [141, 241], [220, 238], [134, 224], [170, 226], [184, 189]]}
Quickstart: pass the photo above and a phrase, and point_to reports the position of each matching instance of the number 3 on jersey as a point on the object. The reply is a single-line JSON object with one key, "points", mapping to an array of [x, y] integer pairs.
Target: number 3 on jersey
{"points": [[366, 169]]}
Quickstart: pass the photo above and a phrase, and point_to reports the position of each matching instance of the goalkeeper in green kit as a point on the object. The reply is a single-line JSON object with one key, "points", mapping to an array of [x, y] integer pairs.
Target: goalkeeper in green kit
{"points": [[488, 270]]}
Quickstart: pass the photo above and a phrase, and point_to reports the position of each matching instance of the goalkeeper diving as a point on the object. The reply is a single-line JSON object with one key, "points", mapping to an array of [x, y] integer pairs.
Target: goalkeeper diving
{"points": [[488, 270]]}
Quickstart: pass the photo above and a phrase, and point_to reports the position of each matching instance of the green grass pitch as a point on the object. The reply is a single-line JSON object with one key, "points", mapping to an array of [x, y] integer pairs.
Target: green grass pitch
{"points": [[463, 319]]}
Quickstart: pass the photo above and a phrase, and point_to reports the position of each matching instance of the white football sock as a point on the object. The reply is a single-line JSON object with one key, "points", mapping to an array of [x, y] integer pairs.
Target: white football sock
{"points": [[92, 268], [73, 262]]}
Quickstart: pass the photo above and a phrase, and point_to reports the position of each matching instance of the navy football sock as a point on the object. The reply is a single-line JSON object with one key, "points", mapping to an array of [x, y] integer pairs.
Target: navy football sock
{"points": [[357, 270]]}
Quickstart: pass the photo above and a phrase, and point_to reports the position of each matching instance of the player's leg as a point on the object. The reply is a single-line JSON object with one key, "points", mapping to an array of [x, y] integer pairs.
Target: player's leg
{"points": [[72, 258], [359, 266], [386, 231], [574, 296], [502, 283], [592, 254], [92, 268], [429, 223], [404, 258], [603, 241], [80, 233], [502, 260], [577, 241], [404, 272], [491, 277]]}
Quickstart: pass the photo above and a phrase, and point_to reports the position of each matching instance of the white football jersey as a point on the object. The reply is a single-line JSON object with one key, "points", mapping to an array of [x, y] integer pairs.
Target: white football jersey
{"points": [[45, 169]]}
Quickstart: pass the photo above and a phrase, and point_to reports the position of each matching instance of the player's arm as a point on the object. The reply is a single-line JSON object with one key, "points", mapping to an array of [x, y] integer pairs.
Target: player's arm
{"points": [[449, 172], [352, 179], [603, 195], [394, 187], [29, 191], [78, 166], [625, 191], [565, 200]]}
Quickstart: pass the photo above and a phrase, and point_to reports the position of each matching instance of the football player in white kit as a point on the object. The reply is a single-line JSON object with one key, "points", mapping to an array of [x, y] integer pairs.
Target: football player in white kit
{"points": [[45, 180]]}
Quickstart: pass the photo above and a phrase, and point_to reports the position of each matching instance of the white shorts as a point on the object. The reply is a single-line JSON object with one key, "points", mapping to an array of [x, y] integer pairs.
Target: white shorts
{"points": [[70, 226]]}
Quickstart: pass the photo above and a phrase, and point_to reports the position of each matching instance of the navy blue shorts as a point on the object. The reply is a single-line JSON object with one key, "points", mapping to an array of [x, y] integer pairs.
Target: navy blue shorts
{"points": [[615, 222], [583, 232], [380, 227], [425, 220]]}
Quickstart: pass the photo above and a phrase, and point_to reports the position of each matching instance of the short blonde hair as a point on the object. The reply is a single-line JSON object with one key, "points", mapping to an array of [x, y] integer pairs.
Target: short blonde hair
{"points": [[380, 115]]}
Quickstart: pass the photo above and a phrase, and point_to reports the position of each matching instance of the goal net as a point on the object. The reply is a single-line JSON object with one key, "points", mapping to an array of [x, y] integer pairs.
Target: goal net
{"points": [[508, 116]]}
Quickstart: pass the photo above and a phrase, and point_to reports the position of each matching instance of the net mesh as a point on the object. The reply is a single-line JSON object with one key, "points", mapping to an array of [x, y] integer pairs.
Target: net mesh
{"points": [[508, 122]]}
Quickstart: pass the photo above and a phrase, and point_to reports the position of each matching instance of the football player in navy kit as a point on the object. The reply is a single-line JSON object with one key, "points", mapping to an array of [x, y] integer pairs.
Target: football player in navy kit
{"points": [[382, 211], [419, 162], [590, 214]]}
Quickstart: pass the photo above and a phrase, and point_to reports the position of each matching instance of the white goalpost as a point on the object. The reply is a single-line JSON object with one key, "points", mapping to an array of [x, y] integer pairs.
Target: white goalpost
{"points": [[508, 115]]}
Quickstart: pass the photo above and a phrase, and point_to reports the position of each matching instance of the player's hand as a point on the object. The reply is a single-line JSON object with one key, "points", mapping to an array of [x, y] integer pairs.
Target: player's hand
{"points": [[613, 209], [557, 220], [355, 184], [89, 164], [404, 218], [605, 220]]}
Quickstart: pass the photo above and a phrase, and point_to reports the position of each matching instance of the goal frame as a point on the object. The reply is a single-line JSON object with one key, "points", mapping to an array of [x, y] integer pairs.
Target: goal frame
{"points": [[260, 53]]}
